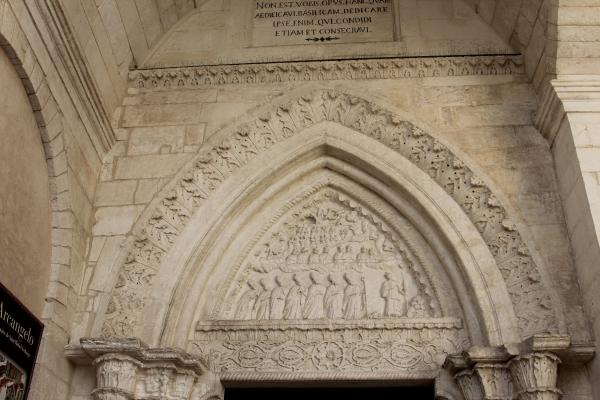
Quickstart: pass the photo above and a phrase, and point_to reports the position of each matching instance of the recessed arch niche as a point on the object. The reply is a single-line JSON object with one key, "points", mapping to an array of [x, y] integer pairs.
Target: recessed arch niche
{"points": [[183, 235]]}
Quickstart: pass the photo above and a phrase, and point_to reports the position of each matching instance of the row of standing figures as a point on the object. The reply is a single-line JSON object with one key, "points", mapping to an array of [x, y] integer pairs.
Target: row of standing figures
{"points": [[331, 297]]}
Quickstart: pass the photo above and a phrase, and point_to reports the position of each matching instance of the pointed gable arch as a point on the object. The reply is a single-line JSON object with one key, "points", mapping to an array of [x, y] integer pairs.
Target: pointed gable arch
{"points": [[160, 227]]}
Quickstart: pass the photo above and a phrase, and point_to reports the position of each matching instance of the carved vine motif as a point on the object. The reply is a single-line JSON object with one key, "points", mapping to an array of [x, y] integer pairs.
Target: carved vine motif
{"points": [[330, 258], [531, 301], [416, 349], [169, 78]]}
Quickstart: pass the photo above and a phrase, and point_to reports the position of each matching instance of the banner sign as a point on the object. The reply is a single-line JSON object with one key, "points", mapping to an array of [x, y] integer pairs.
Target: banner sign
{"points": [[20, 336]]}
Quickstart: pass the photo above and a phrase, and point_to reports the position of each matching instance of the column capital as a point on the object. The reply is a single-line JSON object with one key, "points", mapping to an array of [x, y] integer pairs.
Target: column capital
{"points": [[524, 371], [128, 369]]}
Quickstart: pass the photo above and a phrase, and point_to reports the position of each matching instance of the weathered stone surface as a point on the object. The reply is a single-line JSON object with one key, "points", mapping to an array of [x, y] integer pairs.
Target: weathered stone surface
{"points": [[125, 94]]}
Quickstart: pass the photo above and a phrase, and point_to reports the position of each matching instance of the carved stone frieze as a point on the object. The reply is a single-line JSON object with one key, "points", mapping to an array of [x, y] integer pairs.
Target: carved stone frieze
{"points": [[532, 302], [393, 68], [329, 257], [368, 349]]}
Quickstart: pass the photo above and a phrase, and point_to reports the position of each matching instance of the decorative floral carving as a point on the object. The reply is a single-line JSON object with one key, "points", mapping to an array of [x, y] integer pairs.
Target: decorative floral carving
{"points": [[531, 300], [189, 77], [234, 347], [535, 376]]}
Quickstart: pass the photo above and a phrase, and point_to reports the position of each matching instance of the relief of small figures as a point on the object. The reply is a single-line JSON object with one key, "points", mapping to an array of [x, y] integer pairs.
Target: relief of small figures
{"points": [[329, 260], [314, 296]]}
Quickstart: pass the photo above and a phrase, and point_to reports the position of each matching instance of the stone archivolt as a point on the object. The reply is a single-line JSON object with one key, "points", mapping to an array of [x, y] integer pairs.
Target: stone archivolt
{"points": [[532, 302]]}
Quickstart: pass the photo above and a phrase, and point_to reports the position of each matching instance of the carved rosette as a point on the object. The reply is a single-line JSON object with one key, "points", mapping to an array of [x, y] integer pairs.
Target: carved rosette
{"points": [[535, 376]]}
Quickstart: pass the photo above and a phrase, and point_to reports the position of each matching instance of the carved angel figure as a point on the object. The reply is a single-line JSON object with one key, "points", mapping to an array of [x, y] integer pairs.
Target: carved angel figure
{"points": [[294, 301], [354, 298], [246, 302], [392, 291], [314, 307], [334, 298]]}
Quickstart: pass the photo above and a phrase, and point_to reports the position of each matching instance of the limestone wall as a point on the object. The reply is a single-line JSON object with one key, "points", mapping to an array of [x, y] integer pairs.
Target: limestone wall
{"points": [[25, 201]]}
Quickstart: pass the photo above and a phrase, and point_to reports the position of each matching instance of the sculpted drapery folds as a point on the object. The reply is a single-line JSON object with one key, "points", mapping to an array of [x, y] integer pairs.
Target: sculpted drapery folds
{"points": [[532, 302], [330, 257]]}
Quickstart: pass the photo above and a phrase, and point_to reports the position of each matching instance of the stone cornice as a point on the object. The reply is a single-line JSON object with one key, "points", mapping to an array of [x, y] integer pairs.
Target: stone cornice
{"points": [[388, 68], [563, 96]]}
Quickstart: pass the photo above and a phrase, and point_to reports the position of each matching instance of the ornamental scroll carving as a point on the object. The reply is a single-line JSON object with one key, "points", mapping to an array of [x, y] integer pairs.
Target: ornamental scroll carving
{"points": [[532, 302], [330, 257], [361, 349], [398, 68]]}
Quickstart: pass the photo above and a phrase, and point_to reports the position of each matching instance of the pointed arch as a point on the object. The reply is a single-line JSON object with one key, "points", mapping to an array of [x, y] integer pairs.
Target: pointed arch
{"points": [[161, 226]]}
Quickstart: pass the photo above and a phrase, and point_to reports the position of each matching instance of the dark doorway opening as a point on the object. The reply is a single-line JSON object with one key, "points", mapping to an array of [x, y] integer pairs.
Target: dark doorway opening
{"points": [[318, 393]]}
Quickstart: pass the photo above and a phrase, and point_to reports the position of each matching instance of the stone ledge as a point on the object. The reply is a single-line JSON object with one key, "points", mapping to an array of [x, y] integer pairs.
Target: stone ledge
{"points": [[387, 68], [331, 325]]}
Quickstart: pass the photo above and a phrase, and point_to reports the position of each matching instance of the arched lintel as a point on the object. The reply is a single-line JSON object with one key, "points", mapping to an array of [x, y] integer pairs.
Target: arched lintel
{"points": [[403, 179]]}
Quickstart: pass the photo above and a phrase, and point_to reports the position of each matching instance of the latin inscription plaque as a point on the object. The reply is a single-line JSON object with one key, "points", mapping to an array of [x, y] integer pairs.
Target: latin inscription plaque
{"points": [[283, 22]]}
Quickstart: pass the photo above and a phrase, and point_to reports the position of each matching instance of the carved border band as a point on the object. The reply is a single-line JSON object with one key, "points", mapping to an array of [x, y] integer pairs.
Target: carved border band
{"points": [[389, 68], [400, 349]]}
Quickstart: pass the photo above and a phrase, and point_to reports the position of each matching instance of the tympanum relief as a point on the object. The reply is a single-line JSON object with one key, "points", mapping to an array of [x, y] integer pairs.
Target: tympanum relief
{"points": [[334, 283], [330, 258]]}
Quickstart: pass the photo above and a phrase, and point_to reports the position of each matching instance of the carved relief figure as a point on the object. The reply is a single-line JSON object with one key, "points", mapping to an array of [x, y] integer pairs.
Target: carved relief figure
{"points": [[246, 303], [354, 297], [314, 307], [294, 302], [327, 260], [392, 291], [334, 298], [263, 302], [278, 296]]}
